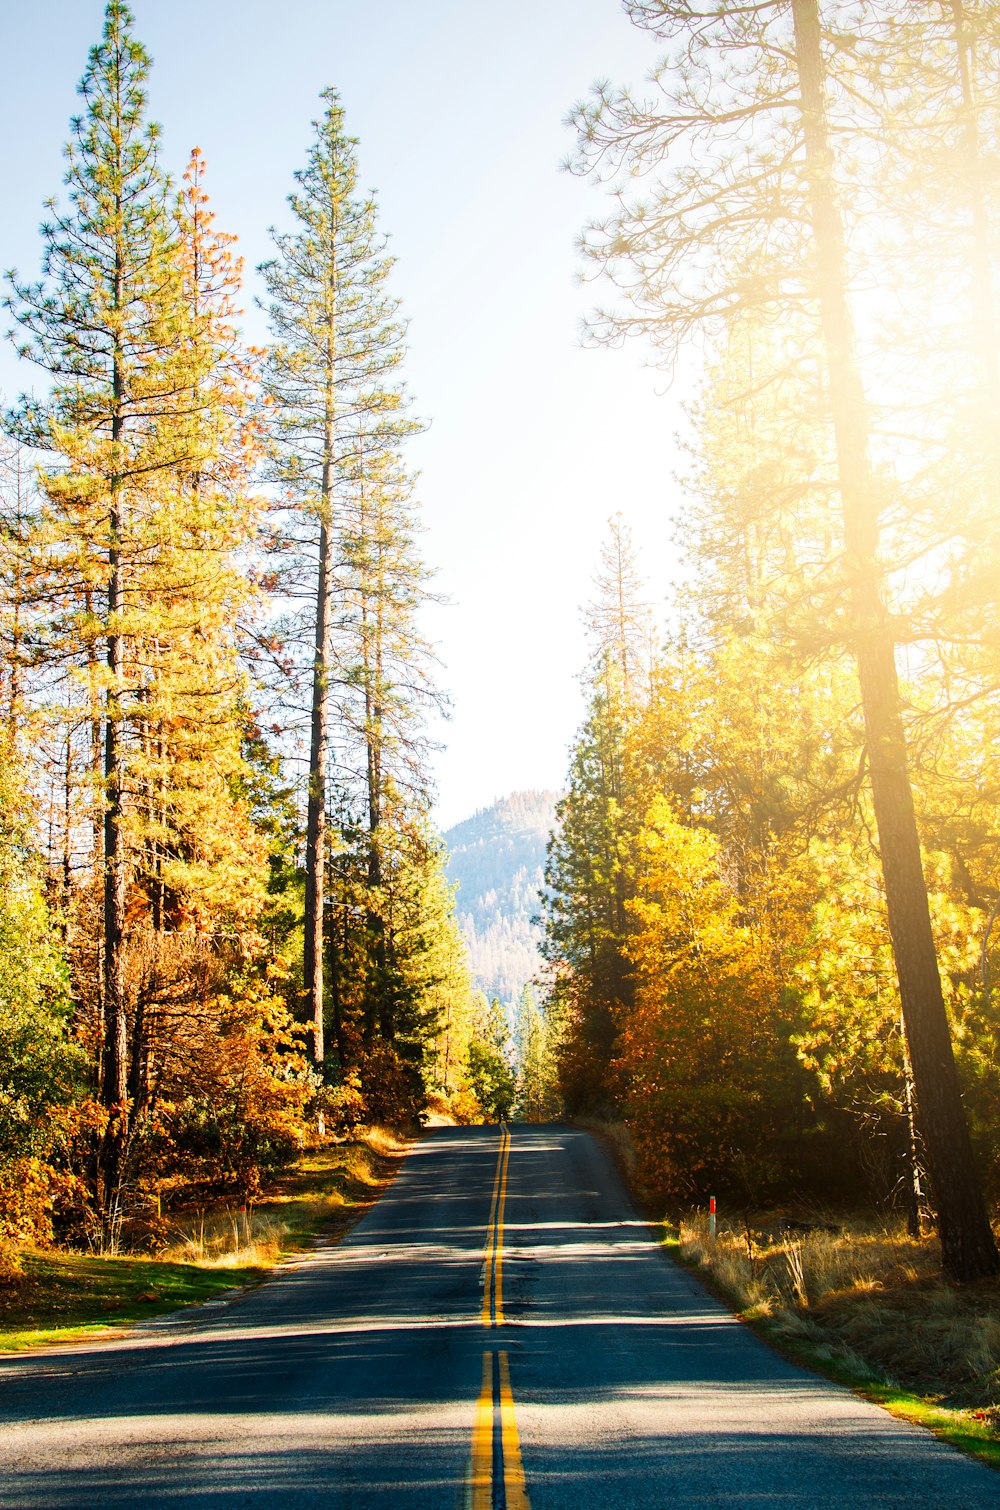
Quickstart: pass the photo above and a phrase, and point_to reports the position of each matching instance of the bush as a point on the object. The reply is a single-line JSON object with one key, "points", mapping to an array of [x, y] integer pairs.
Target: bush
{"points": [[492, 1080], [392, 1089]]}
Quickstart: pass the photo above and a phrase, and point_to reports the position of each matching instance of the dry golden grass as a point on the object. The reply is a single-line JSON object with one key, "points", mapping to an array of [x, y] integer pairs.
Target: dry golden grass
{"points": [[323, 1192], [59, 1297], [868, 1294], [229, 1239]]}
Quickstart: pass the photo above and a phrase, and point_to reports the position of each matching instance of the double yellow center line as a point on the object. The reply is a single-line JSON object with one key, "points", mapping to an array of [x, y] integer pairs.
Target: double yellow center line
{"points": [[493, 1266], [496, 1476], [496, 1481]]}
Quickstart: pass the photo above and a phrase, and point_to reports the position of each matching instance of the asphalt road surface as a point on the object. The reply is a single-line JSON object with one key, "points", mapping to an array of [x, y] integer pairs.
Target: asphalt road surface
{"points": [[499, 1332]]}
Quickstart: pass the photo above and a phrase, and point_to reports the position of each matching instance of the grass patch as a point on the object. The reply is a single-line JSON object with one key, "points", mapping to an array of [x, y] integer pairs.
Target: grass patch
{"points": [[67, 1297], [865, 1304]]}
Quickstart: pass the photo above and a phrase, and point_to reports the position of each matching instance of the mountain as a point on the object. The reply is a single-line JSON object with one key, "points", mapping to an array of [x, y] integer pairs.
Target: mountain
{"points": [[496, 859]]}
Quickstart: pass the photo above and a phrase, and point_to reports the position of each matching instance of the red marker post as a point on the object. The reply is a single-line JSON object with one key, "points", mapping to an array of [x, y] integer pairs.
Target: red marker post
{"points": [[711, 1217]]}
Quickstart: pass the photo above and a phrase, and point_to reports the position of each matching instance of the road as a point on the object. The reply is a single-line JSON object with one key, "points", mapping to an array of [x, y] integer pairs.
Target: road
{"points": [[500, 1332]]}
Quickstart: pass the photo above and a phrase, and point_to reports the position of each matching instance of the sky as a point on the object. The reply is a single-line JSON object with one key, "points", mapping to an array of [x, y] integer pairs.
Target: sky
{"points": [[533, 439]]}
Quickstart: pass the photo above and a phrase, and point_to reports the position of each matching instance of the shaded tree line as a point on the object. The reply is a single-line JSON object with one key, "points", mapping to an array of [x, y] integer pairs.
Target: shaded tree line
{"points": [[211, 580], [792, 914]]}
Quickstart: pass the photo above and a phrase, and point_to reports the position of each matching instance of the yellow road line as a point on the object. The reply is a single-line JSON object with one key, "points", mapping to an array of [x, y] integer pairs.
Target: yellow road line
{"points": [[496, 1451], [490, 1233], [498, 1252], [492, 1310], [480, 1496], [515, 1489]]}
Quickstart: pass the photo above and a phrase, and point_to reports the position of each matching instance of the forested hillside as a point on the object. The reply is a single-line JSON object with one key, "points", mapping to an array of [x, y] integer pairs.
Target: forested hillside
{"points": [[497, 859]]}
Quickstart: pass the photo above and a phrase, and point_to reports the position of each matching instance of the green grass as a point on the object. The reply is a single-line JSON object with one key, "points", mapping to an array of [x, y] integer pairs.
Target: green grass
{"points": [[63, 1297], [962, 1429], [66, 1297]]}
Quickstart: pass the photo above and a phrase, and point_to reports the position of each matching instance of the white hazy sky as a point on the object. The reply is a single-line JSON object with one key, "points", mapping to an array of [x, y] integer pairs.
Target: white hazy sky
{"points": [[534, 441]]}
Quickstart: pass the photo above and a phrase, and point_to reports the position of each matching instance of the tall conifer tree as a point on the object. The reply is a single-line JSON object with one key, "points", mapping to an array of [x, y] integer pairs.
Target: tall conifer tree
{"points": [[388, 687], [146, 501], [104, 323], [337, 342], [587, 875]]}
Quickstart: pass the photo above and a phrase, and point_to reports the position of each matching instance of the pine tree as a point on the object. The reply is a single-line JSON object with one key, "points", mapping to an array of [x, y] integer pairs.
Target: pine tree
{"points": [[618, 618], [966, 1238], [491, 1074], [20, 525], [587, 878], [193, 707], [104, 323], [388, 689], [337, 343], [41, 1068], [145, 504], [587, 885], [537, 1039]]}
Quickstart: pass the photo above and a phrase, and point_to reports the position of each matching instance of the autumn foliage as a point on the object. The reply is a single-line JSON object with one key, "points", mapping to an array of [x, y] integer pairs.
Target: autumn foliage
{"points": [[162, 1045]]}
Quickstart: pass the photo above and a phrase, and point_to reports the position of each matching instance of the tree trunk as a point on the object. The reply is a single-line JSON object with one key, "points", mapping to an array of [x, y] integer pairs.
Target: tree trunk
{"points": [[96, 752], [67, 856], [374, 1012], [114, 1071], [336, 993], [916, 1213], [967, 1244], [312, 965], [114, 1057]]}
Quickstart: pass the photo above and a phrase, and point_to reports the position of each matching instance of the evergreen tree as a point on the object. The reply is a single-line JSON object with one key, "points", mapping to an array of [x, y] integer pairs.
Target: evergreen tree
{"points": [[491, 1074], [618, 618], [537, 1040], [105, 323], [19, 528], [587, 877], [587, 885], [41, 1069], [385, 667], [146, 503], [337, 342]]}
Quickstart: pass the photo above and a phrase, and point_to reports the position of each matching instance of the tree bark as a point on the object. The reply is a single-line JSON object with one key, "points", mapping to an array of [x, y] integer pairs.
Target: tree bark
{"points": [[114, 1093], [375, 1013], [968, 1247], [312, 971], [319, 741], [114, 1088]]}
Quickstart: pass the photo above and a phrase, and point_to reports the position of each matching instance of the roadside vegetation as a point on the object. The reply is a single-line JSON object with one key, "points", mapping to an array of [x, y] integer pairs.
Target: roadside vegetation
{"points": [[225, 930], [866, 1302], [198, 1253], [774, 882], [854, 1295]]}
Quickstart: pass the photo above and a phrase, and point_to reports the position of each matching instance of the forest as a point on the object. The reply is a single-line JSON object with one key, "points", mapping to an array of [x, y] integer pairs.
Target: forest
{"points": [[773, 892], [225, 924], [771, 907]]}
